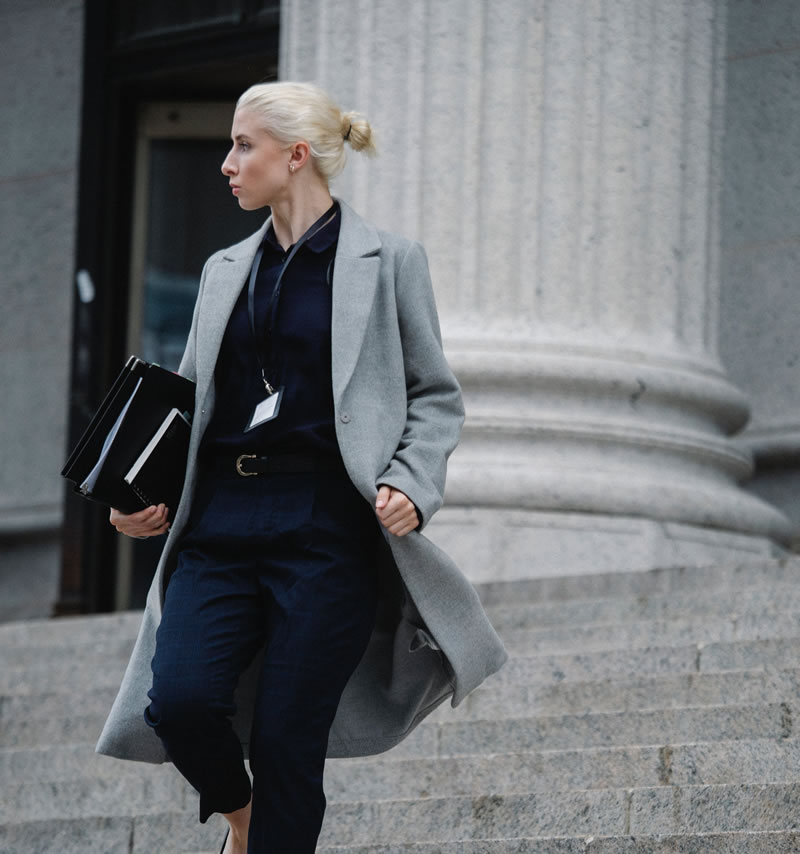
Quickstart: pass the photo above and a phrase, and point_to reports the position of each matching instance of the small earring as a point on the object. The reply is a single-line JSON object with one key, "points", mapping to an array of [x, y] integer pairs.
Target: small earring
{"points": [[291, 167]]}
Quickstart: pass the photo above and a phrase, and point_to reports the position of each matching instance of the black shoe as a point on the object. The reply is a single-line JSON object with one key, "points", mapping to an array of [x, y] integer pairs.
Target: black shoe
{"points": [[225, 841]]}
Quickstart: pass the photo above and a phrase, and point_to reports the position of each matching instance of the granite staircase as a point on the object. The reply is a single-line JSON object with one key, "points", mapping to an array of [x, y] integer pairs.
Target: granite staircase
{"points": [[640, 712]]}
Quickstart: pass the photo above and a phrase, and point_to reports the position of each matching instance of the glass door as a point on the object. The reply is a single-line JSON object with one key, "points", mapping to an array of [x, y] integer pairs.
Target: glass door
{"points": [[183, 212]]}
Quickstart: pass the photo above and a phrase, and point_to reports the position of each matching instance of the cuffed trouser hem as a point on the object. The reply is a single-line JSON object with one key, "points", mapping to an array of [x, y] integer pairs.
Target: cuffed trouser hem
{"points": [[211, 803], [232, 790]]}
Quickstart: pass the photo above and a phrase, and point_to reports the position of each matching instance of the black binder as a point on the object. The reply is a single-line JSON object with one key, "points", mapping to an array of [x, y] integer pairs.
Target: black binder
{"points": [[140, 401]]}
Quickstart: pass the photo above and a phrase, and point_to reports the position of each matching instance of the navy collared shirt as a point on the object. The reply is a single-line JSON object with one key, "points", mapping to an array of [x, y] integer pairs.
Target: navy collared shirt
{"points": [[298, 358]]}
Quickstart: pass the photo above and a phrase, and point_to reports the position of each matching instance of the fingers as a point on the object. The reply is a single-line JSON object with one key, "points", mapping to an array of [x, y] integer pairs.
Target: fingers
{"points": [[144, 523], [396, 512]]}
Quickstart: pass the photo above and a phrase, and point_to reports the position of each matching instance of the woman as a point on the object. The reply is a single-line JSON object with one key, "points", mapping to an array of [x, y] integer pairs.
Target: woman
{"points": [[297, 610]]}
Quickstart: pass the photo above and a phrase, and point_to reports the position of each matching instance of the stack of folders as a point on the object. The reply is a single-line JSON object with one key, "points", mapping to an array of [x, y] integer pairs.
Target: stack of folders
{"points": [[133, 453]]}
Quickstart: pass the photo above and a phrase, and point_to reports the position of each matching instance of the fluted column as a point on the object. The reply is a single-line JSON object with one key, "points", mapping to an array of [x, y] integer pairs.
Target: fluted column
{"points": [[560, 161]]}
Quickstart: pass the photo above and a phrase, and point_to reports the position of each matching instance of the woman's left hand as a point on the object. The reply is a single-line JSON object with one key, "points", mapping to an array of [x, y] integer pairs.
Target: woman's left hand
{"points": [[396, 511]]}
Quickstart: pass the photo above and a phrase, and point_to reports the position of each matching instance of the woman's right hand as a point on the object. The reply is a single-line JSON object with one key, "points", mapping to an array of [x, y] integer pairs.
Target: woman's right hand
{"points": [[144, 523]]}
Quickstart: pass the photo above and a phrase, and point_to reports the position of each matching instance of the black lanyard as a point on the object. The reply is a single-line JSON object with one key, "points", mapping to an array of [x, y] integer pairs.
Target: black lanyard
{"points": [[272, 306]]}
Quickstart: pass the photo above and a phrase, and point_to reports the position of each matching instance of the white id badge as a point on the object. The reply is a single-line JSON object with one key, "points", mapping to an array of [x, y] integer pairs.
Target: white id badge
{"points": [[266, 410]]}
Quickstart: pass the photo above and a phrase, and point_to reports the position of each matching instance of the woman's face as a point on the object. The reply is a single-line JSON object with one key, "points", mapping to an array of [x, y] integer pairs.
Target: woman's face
{"points": [[257, 166]]}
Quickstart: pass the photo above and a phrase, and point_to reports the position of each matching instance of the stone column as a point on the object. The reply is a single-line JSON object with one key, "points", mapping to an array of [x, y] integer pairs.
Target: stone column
{"points": [[559, 160]]}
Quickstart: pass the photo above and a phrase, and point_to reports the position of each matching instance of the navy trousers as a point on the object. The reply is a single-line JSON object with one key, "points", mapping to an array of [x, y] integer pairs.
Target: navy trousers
{"points": [[286, 561]]}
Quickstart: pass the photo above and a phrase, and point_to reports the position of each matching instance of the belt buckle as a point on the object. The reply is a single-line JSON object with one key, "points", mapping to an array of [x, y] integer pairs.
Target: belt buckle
{"points": [[239, 465]]}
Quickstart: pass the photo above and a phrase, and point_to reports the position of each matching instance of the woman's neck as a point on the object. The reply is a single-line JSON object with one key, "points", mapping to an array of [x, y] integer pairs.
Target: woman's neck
{"points": [[294, 216]]}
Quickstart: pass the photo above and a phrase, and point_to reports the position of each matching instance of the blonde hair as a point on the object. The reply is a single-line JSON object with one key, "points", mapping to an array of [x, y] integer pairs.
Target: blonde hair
{"points": [[291, 112]]}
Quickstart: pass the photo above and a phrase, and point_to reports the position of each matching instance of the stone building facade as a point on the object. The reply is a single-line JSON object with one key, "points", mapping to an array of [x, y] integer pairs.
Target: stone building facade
{"points": [[41, 56], [608, 193]]}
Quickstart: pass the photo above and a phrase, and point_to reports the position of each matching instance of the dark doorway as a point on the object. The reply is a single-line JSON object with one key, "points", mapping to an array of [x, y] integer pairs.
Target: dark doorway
{"points": [[160, 84]]}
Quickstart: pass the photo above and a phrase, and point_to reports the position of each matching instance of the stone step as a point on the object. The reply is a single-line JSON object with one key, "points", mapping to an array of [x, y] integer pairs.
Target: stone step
{"points": [[160, 788], [760, 735], [21, 664], [31, 670], [113, 634], [99, 674], [79, 836], [619, 663], [674, 632], [518, 691], [96, 629], [59, 763], [776, 652], [111, 651], [143, 834], [660, 691], [549, 668], [711, 809], [79, 782], [555, 732], [94, 670], [50, 704], [745, 761], [604, 812], [608, 595], [768, 842], [79, 672], [146, 834], [453, 732], [534, 612], [558, 823], [39, 718], [22, 732], [500, 699], [605, 729], [612, 585], [753, 601]]}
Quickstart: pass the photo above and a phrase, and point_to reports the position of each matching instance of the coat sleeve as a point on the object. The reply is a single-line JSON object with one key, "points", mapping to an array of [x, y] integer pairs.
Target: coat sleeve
{"points": [[435, 412], [188, 365]]}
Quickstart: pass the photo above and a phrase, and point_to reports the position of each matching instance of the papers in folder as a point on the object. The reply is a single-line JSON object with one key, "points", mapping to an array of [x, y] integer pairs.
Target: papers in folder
{"points": [[160, 468], [133, 453]]}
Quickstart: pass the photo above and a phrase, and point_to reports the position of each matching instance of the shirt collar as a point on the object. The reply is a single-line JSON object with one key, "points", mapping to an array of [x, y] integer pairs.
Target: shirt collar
{"points": [[318, 242]]}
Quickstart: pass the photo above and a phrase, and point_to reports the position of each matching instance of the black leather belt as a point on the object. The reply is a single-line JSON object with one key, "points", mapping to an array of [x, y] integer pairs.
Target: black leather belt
{"points": [[249, 465]]}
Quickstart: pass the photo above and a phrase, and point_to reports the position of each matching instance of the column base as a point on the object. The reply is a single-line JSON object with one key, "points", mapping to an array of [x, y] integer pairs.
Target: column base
{"points": [[775, 449], [598, 432], [504, 545]]}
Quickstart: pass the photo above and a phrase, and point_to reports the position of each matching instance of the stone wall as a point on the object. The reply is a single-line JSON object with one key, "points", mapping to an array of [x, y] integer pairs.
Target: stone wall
{"points": [[760, 339], [40, 66]]}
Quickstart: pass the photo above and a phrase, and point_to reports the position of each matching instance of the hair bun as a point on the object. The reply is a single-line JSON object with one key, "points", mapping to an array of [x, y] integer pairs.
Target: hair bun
{"points": [[357, 132]]}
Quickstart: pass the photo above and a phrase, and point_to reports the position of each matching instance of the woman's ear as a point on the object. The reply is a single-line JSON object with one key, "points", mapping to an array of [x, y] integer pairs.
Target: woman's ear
{"points": [[299, 154]]}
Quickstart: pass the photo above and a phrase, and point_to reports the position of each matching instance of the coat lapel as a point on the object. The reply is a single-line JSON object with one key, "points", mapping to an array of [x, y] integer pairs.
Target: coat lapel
{"points": [[222, 289], [355, 280]]}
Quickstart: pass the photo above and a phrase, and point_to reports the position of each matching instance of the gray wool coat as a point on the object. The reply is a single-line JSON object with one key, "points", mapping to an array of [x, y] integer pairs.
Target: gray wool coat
{"points": [[398, 416]]}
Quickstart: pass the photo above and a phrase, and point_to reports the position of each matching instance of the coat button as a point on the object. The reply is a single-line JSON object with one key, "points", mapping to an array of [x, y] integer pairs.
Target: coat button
{"points": [[345, 418]]}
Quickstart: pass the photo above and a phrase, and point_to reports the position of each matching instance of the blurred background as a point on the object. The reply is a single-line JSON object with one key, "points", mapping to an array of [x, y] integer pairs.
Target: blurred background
{"points": [[609, 193]]}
